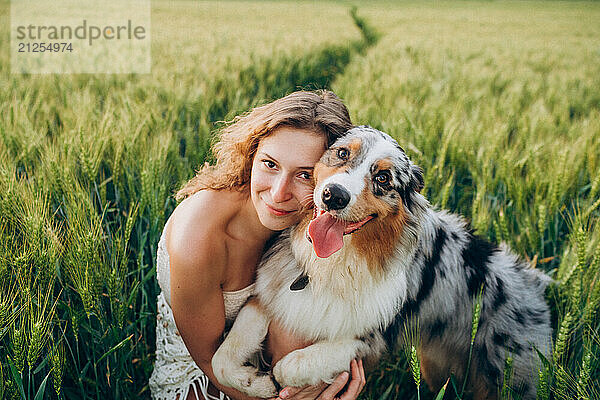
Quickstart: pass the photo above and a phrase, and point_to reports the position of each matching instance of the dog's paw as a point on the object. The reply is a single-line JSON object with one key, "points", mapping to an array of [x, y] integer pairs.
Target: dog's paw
{"points": [[259, 386], [248, 380], [299, 369]]}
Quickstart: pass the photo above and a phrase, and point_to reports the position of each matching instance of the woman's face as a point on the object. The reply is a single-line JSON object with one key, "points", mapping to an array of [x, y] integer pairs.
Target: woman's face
{"points": [[281, 177]]}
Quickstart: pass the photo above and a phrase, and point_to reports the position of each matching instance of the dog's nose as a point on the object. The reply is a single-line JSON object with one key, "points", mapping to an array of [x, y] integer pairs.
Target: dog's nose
{"points": [[335, 197]]}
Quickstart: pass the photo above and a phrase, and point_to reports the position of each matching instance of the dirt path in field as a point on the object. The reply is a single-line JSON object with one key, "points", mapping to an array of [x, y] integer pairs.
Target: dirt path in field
{"points": [[274, 77]]}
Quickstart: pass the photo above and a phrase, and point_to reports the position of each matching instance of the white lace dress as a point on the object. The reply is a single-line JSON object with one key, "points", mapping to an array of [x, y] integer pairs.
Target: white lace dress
{"points": [[175, 372]]}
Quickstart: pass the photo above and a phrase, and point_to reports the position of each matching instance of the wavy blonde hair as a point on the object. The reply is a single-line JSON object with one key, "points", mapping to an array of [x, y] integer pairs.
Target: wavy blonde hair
{"points": [[320, 111]]}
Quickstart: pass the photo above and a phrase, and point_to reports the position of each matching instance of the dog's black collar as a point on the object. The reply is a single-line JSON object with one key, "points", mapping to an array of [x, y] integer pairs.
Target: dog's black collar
{"points": [[300, 282]]}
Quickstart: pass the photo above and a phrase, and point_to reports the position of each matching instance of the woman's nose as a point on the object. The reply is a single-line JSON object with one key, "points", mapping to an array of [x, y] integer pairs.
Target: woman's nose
{"points": [[280, 191]]}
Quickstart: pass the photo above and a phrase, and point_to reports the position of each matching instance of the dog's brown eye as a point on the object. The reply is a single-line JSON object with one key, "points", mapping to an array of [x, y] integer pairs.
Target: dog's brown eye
{"points": [[382, 178], [343, 154]]}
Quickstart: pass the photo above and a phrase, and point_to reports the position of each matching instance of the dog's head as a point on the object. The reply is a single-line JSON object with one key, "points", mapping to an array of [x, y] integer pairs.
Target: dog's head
{"points": [[364, 185]]}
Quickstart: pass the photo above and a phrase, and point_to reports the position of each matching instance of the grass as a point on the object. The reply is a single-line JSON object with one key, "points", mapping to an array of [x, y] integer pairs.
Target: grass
{"points": [[499, 102]]}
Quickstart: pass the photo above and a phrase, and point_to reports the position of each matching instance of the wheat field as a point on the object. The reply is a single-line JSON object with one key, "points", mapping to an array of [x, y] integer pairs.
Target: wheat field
{"points": [[498, 102]]}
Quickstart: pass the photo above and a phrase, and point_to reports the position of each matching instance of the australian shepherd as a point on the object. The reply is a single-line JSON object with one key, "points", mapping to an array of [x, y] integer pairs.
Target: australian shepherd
{"points": [[373, 257]]}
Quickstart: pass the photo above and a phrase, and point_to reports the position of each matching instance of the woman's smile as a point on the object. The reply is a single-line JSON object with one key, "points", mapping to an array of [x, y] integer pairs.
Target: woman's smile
{"points": [[277, 211]]}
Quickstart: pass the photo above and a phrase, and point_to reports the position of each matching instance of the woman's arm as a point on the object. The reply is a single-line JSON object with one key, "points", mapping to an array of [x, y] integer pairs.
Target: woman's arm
{"points": [[197, 255]]}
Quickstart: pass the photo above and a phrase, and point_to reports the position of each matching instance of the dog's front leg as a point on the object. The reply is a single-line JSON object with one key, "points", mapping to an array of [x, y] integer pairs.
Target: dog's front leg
{"points": [[320, 362], [244, 339]]}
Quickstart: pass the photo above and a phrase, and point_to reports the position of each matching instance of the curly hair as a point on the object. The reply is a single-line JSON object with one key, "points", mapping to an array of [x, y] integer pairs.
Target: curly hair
{"points": [[320, 111]]}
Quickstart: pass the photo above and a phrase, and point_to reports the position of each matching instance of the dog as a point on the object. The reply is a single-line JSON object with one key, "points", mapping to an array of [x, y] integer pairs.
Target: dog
{"points": [[373, 256]]}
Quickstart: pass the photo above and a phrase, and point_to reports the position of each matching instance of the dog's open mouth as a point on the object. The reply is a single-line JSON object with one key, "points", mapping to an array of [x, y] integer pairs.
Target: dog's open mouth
{"points": [[326, 232]]}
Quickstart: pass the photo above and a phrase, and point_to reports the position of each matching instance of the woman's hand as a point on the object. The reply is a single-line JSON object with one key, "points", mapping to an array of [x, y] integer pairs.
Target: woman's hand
{"points": [[333, 391]]}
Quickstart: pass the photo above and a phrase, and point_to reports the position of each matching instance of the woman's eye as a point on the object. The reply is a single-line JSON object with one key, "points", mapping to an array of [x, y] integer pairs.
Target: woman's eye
{"points": [[304, 175], [382, 178], [343, 154], [269, 164]]}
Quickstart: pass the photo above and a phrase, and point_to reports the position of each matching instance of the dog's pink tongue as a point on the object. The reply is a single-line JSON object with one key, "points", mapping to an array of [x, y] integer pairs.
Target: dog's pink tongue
{"points": [[327, 234]]}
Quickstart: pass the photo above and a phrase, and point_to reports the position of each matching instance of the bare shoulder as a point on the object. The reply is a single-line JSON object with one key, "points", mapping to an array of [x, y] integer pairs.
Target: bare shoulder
{"points": [[195, 234]]}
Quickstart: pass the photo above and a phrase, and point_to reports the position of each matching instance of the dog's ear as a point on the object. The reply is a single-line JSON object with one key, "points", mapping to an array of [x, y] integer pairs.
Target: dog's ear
{"points": [[416, 178]]}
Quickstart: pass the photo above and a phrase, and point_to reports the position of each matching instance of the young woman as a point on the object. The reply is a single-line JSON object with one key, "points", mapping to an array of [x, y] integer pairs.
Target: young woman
{"points": [[213, 241]]}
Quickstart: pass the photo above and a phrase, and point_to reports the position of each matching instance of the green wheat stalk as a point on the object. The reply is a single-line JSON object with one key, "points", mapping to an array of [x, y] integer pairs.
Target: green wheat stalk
{"points": [[476, 315]]}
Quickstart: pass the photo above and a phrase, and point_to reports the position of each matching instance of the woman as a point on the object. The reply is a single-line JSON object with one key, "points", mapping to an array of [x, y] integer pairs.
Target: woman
{"points": [[213, 241]]}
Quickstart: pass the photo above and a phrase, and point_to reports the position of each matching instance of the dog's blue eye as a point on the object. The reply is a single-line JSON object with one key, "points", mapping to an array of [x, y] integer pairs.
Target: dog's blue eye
{"points": [[343, 154]]}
